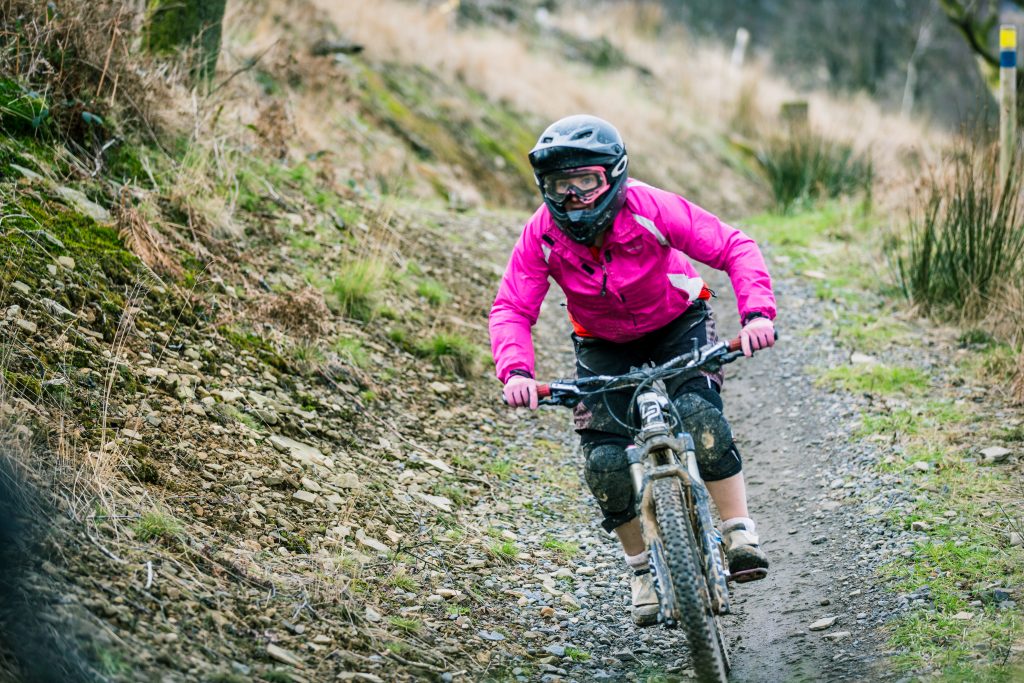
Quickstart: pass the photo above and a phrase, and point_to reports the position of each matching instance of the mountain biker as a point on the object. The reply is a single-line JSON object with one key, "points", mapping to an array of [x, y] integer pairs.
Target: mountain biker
{"points": [[619, 250]]}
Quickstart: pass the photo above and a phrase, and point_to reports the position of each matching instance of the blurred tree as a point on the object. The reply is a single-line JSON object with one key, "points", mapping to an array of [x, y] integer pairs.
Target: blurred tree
{"points": [[978, 21], [176, 25], [895, 50]]}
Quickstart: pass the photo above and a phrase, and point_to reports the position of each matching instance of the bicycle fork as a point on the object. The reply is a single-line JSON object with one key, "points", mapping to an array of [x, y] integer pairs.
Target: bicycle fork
{"points": [[654, 437]]}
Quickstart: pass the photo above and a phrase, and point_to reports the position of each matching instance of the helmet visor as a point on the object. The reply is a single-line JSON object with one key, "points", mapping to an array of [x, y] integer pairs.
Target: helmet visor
{"points": [[586, 184]]}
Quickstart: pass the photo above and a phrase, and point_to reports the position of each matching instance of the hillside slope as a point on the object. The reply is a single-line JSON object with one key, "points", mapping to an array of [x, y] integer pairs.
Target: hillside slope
{"points": [[244, 347]]}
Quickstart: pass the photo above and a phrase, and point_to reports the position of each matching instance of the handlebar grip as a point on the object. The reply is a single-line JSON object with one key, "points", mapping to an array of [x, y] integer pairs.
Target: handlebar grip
{"points": [[736, 345], [543, 391]]}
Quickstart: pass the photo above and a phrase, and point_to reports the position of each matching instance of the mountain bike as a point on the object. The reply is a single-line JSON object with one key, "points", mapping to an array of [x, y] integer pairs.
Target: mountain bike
{"points": [[685, 548]]}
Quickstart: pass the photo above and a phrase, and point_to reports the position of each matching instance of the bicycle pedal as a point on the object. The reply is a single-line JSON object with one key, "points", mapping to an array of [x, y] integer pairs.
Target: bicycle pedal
{"points": [[747, 575]]}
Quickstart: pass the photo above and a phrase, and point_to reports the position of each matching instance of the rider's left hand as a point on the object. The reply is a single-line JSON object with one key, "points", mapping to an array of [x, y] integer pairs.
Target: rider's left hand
{"points": [[758, 334], [521, 392]]}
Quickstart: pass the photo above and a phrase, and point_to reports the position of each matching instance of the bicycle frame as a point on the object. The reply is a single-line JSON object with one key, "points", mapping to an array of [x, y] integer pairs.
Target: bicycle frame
{"points": [[658, 454]]}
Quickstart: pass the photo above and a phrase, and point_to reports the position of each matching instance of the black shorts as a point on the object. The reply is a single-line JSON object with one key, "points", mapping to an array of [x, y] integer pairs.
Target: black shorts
{"points": [[607, 412]]}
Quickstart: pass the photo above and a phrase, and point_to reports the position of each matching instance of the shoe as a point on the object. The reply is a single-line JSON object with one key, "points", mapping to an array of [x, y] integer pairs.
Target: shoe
{"points": [[742, 549], [645, 599]]}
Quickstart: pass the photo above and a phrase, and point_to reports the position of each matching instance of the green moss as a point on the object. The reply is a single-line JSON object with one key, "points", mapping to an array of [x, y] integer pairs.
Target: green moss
{"points": [[294, 542], [125, 165], [246, 341], [144, 471], [23, 385], [490, 141]]}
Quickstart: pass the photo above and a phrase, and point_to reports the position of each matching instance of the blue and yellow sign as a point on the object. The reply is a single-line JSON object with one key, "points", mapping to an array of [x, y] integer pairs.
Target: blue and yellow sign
{"points": [[1008, 47]]}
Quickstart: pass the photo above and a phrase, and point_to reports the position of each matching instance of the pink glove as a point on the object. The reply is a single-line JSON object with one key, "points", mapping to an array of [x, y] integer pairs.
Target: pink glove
{"points": [[521, 392], [758, 334]]}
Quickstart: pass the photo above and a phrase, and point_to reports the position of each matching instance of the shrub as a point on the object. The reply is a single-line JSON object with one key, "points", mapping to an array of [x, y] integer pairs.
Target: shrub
{"points": [[966, 236], [357, 287], [804, 166]]}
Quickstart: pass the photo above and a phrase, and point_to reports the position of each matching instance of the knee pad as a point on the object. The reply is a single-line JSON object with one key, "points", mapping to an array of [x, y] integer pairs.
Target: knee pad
{"points": [[712, 435], [607, 475]]}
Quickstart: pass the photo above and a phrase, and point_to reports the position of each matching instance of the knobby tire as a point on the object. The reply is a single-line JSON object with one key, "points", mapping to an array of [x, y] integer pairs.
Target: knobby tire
{"points": [[684, 567]]}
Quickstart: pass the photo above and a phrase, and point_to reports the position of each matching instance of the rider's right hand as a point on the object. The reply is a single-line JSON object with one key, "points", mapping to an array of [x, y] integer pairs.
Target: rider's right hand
{"points": [[521, 392]]}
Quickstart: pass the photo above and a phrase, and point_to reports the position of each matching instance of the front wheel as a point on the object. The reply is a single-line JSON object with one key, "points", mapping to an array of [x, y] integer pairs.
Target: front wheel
{"points": [[681, 583]]}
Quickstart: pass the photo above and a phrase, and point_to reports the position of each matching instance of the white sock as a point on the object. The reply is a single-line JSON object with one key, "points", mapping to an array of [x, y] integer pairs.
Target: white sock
{"points": [[637, 561], [747, 522]]}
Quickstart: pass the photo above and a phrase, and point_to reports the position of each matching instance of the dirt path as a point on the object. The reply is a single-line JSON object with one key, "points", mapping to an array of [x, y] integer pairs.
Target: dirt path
{"points": [[799, 465]]}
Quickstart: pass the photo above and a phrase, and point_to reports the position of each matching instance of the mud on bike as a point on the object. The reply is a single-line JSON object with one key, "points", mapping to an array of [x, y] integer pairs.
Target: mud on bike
{"points": [[685, 548]]}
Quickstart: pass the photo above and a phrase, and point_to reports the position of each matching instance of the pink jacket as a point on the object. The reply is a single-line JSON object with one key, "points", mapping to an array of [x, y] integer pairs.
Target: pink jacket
{"points": [[641, 281]]}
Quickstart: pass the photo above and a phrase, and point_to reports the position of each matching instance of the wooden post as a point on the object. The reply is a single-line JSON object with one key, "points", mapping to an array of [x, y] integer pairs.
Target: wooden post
{"points": [[1007, 99], [739, 48], [795, 116]]}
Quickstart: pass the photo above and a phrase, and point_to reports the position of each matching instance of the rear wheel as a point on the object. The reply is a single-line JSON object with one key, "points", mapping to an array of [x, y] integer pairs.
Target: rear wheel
{"points": [[682, 585]]}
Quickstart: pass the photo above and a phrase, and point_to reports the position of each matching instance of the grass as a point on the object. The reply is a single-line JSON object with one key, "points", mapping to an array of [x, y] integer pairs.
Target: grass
{"points": [[403, 581], [822, 242], [21, 111], [934, 415], [455, 493], [434, 292], [158, 525], [962, 550], [868, 332], [504, 550], [566, 549], [502, 469], [406, 624], [835, 221], [957, 573], [452, 352], [352, 351], [965, 236], [576, 655], [963, 555], [876, 379], [803, 167], [998, 361], [357, 287], [307, 356], [456, 610]]}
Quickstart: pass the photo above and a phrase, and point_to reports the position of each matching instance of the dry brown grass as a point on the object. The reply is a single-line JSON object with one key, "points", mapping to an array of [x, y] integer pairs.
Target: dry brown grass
{"points": [[697, 94], [301, 312], [79, 56], [143, 239]]}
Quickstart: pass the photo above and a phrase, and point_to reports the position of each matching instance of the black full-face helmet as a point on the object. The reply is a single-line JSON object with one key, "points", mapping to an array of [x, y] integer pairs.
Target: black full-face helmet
{"points": [[581, 156]]}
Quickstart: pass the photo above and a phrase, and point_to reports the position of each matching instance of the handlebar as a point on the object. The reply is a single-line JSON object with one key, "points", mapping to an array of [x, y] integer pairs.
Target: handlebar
{"points": [[568, 392]]}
